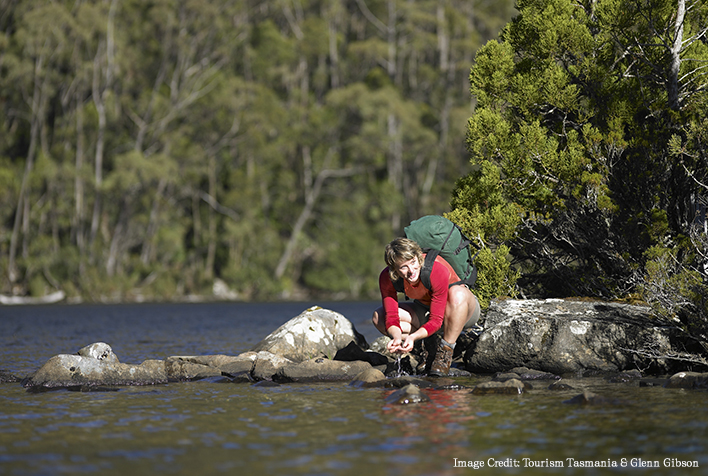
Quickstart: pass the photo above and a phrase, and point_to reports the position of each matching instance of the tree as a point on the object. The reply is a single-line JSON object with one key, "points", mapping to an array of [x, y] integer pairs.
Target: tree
{"points": [[579, 104]]}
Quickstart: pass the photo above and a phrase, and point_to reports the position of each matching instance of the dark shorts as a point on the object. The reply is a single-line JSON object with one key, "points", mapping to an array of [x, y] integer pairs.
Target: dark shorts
{"points": [[423, 313]]}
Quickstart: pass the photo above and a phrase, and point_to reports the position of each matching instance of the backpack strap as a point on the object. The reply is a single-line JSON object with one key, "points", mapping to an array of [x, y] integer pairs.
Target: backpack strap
{"points": [[398, 285], [427, 268]]}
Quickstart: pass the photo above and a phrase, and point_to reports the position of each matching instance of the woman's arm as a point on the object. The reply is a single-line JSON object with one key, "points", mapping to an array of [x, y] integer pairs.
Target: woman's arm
{"points": [[389, 296], [439, 281]]}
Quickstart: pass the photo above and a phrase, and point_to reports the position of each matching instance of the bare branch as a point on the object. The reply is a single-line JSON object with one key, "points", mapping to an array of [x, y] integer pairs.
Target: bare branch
{"points": [[371, 17], [213, 203]]}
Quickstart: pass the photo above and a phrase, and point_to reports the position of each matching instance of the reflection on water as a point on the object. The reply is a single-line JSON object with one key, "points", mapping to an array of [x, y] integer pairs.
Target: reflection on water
{"points": [[209, 427]]}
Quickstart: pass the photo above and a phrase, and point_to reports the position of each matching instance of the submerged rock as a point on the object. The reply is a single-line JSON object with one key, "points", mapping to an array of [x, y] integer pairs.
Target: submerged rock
{"points": [[404, 381], [508, 387], [561, 336], [8, 377], [531, 374], [368, 378], [560, 386], [407, 395], [316, 332], [590, 398], [625, 377], [692, 380]]}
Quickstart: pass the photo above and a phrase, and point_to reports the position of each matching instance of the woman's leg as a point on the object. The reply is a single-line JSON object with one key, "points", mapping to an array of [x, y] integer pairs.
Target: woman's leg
{"points": [[462, 311], [406, 314]]}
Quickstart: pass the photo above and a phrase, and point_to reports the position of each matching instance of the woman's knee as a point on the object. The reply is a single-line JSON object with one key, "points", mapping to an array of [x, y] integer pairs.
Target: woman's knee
{"points": [[459, 296]]}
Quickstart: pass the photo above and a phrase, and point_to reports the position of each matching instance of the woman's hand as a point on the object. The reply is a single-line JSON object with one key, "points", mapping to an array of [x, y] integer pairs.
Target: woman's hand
{"points": [[394, 346], [407, 345]]}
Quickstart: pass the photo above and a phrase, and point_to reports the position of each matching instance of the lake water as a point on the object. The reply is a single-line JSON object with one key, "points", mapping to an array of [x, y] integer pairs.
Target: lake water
{"points": [[208, 427]]}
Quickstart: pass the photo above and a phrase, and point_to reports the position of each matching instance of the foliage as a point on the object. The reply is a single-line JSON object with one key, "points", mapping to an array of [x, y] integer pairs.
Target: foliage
{"points": [[150, 148], [570, 141]]}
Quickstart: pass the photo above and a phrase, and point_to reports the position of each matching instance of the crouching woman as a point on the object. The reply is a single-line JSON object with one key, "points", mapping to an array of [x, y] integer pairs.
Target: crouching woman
{"points": [[445, 306]]}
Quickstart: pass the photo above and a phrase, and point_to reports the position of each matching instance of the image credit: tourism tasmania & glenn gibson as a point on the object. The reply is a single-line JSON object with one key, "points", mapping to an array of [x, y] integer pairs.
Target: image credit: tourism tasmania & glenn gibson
{"points": [[574, 463]]}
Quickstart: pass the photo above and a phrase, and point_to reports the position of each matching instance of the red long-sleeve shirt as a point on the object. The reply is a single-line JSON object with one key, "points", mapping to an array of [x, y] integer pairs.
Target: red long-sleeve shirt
{"points": [[435, 298]]}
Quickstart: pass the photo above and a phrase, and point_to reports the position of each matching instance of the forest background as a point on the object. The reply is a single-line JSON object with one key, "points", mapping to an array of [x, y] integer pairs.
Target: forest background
{"points": [[152, 148], [156, 150]]}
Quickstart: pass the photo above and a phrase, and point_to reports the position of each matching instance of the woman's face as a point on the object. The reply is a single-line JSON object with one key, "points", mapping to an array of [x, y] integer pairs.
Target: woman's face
{"points": [[409, 270]]}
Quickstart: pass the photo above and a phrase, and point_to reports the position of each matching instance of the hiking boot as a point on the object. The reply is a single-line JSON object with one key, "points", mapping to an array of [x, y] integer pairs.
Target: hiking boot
{"points": [[442, 361]]}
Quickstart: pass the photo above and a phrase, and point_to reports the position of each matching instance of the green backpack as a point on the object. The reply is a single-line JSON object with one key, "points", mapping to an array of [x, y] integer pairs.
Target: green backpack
{"points": [[437, 235]]}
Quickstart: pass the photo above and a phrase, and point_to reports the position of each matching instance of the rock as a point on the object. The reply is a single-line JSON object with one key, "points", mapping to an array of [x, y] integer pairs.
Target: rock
{"points": [[508, 387], [368, 378], [457, 372], [320, 370], [407, 395], [404, 381], [7, 377], [189, 368], [504, 376], [559, 386], [625, 377], [379, 346], [75, 370], [245, 367], [561, 336], [316, 332], [451, 386], [99, 351], [691, 380], [590, 398], [353, 352], [265, 364], [531, 374], [653, 382]]}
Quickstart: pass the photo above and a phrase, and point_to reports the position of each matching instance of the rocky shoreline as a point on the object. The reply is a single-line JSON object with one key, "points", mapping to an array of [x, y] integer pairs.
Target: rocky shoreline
{"points": [[525, 344]]}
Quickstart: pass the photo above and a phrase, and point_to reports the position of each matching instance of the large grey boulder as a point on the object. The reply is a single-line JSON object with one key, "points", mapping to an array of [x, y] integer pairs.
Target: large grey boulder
{"points": [[316, 332], [563, 336]]}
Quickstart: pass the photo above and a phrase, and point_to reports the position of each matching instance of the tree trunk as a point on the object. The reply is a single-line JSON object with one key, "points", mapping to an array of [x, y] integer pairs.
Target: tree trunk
{"points": [[211, 247], [675, 51], [22, 210]]}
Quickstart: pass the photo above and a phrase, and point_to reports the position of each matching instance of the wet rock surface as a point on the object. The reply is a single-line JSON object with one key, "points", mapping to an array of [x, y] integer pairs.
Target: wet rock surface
{"points": [[320, 370], [407, 395], [75, 370], [590, 398], [507, 387], [563, 336], [690, 380]]}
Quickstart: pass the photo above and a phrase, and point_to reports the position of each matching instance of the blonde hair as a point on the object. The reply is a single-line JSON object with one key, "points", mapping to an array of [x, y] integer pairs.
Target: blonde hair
{"points": [[401, 250]]}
